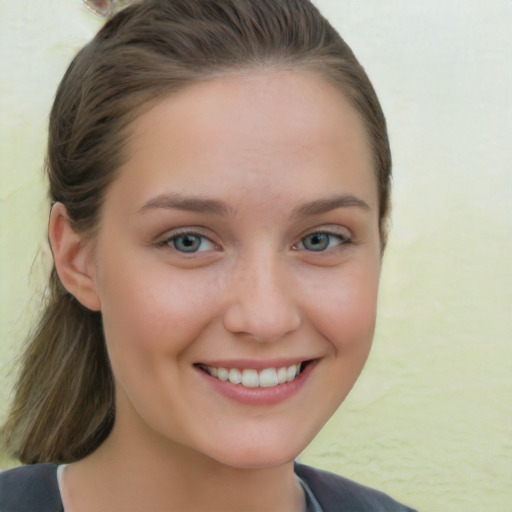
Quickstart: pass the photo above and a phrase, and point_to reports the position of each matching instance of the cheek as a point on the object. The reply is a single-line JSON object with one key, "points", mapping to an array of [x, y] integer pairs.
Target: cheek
{"points": [[345, 310], [153, 311]]}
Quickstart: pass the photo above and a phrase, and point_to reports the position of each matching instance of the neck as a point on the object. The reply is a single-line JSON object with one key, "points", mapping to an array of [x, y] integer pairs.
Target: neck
{"points": [[145, 475]]}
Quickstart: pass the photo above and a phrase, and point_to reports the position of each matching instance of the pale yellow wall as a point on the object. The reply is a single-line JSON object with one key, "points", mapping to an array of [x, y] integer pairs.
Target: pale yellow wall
{"points": [[430, 420]]}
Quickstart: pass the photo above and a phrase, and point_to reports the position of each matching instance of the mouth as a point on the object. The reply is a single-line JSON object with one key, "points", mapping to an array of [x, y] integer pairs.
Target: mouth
{"points": [[251, 378]]}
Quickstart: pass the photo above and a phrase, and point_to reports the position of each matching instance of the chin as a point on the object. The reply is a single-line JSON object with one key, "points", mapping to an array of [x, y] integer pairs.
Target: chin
{"points": [[261, 453], [260, 461]]}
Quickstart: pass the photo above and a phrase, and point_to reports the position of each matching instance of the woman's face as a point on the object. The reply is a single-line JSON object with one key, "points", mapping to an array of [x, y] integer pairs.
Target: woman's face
{"points": [[240, 241]]}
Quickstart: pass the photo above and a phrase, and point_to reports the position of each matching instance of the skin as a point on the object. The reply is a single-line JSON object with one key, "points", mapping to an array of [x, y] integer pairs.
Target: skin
{"points": [[265, 146]]}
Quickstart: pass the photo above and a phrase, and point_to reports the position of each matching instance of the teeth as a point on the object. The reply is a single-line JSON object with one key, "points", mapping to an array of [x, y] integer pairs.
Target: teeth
{"points": [[291, 372], [235, 377], [282, 375], [268, 378], [222, 374], [249, 378]]}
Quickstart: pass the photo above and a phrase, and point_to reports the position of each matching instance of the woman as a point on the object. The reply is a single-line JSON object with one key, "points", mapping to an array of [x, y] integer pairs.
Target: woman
{"points": [[219, 174]]}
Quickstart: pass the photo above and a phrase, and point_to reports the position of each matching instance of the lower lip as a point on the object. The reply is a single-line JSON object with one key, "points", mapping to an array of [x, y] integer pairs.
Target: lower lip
{"points": [[259, 396]]}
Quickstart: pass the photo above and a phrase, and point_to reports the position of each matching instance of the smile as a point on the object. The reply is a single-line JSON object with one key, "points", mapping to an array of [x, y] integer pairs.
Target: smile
{"points": [[250, 378]]}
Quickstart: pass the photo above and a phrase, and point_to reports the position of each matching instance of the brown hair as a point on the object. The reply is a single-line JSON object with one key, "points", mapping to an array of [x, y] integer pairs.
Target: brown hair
{"points": [[64, 400]]}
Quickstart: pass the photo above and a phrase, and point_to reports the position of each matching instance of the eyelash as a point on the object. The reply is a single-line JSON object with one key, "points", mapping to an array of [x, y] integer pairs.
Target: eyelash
{"points": [[343, 239], [170, 242]]}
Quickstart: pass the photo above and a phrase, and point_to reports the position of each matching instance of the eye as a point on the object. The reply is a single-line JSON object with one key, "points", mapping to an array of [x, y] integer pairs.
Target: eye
{"points": [[321, 241], [189, 243]]}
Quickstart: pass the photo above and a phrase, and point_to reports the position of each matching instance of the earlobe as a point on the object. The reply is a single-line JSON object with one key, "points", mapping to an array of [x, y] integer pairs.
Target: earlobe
{"points": [[72, 257]]}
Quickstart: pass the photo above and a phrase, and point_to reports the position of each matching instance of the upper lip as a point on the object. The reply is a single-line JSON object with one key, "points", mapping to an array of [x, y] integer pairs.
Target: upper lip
{"points": [[254, 364]]}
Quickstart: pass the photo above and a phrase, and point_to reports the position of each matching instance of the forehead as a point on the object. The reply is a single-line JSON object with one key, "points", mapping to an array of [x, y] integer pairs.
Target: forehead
{"points": [[271, 129]]}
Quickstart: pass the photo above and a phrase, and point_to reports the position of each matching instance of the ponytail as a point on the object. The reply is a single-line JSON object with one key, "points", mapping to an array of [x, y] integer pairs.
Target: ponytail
{"points": [[63, 404]]}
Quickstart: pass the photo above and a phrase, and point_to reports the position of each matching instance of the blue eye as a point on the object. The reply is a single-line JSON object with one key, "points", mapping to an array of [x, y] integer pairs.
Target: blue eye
{"points": [[190, 243], [318, 242]]}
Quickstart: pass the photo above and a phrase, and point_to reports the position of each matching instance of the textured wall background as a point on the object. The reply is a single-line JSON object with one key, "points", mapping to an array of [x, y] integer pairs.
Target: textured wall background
{"points": [[430, 420]]}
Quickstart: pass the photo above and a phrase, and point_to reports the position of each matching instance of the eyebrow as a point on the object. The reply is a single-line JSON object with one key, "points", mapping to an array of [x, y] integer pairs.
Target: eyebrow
{"points": [[326, 205], [186, 203], [205, 205]]}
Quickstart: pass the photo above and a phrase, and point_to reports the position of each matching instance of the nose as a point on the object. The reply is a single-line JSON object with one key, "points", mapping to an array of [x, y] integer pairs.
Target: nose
{"points": [[262, 304]]}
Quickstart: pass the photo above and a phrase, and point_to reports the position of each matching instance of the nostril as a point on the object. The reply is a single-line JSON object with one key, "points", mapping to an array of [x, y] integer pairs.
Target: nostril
{"points": [[261, 304]]}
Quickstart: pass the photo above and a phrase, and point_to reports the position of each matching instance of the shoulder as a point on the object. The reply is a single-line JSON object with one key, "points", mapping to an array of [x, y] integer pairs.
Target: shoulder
{"points": [[29, 488], [337, 494]]}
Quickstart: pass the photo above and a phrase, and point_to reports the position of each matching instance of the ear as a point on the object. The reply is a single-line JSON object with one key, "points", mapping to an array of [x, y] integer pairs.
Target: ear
{"points": [[72, 255]]}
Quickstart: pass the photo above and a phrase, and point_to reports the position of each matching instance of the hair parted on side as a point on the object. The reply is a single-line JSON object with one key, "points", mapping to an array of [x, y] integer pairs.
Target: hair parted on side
{"points": [[63, 406]]}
